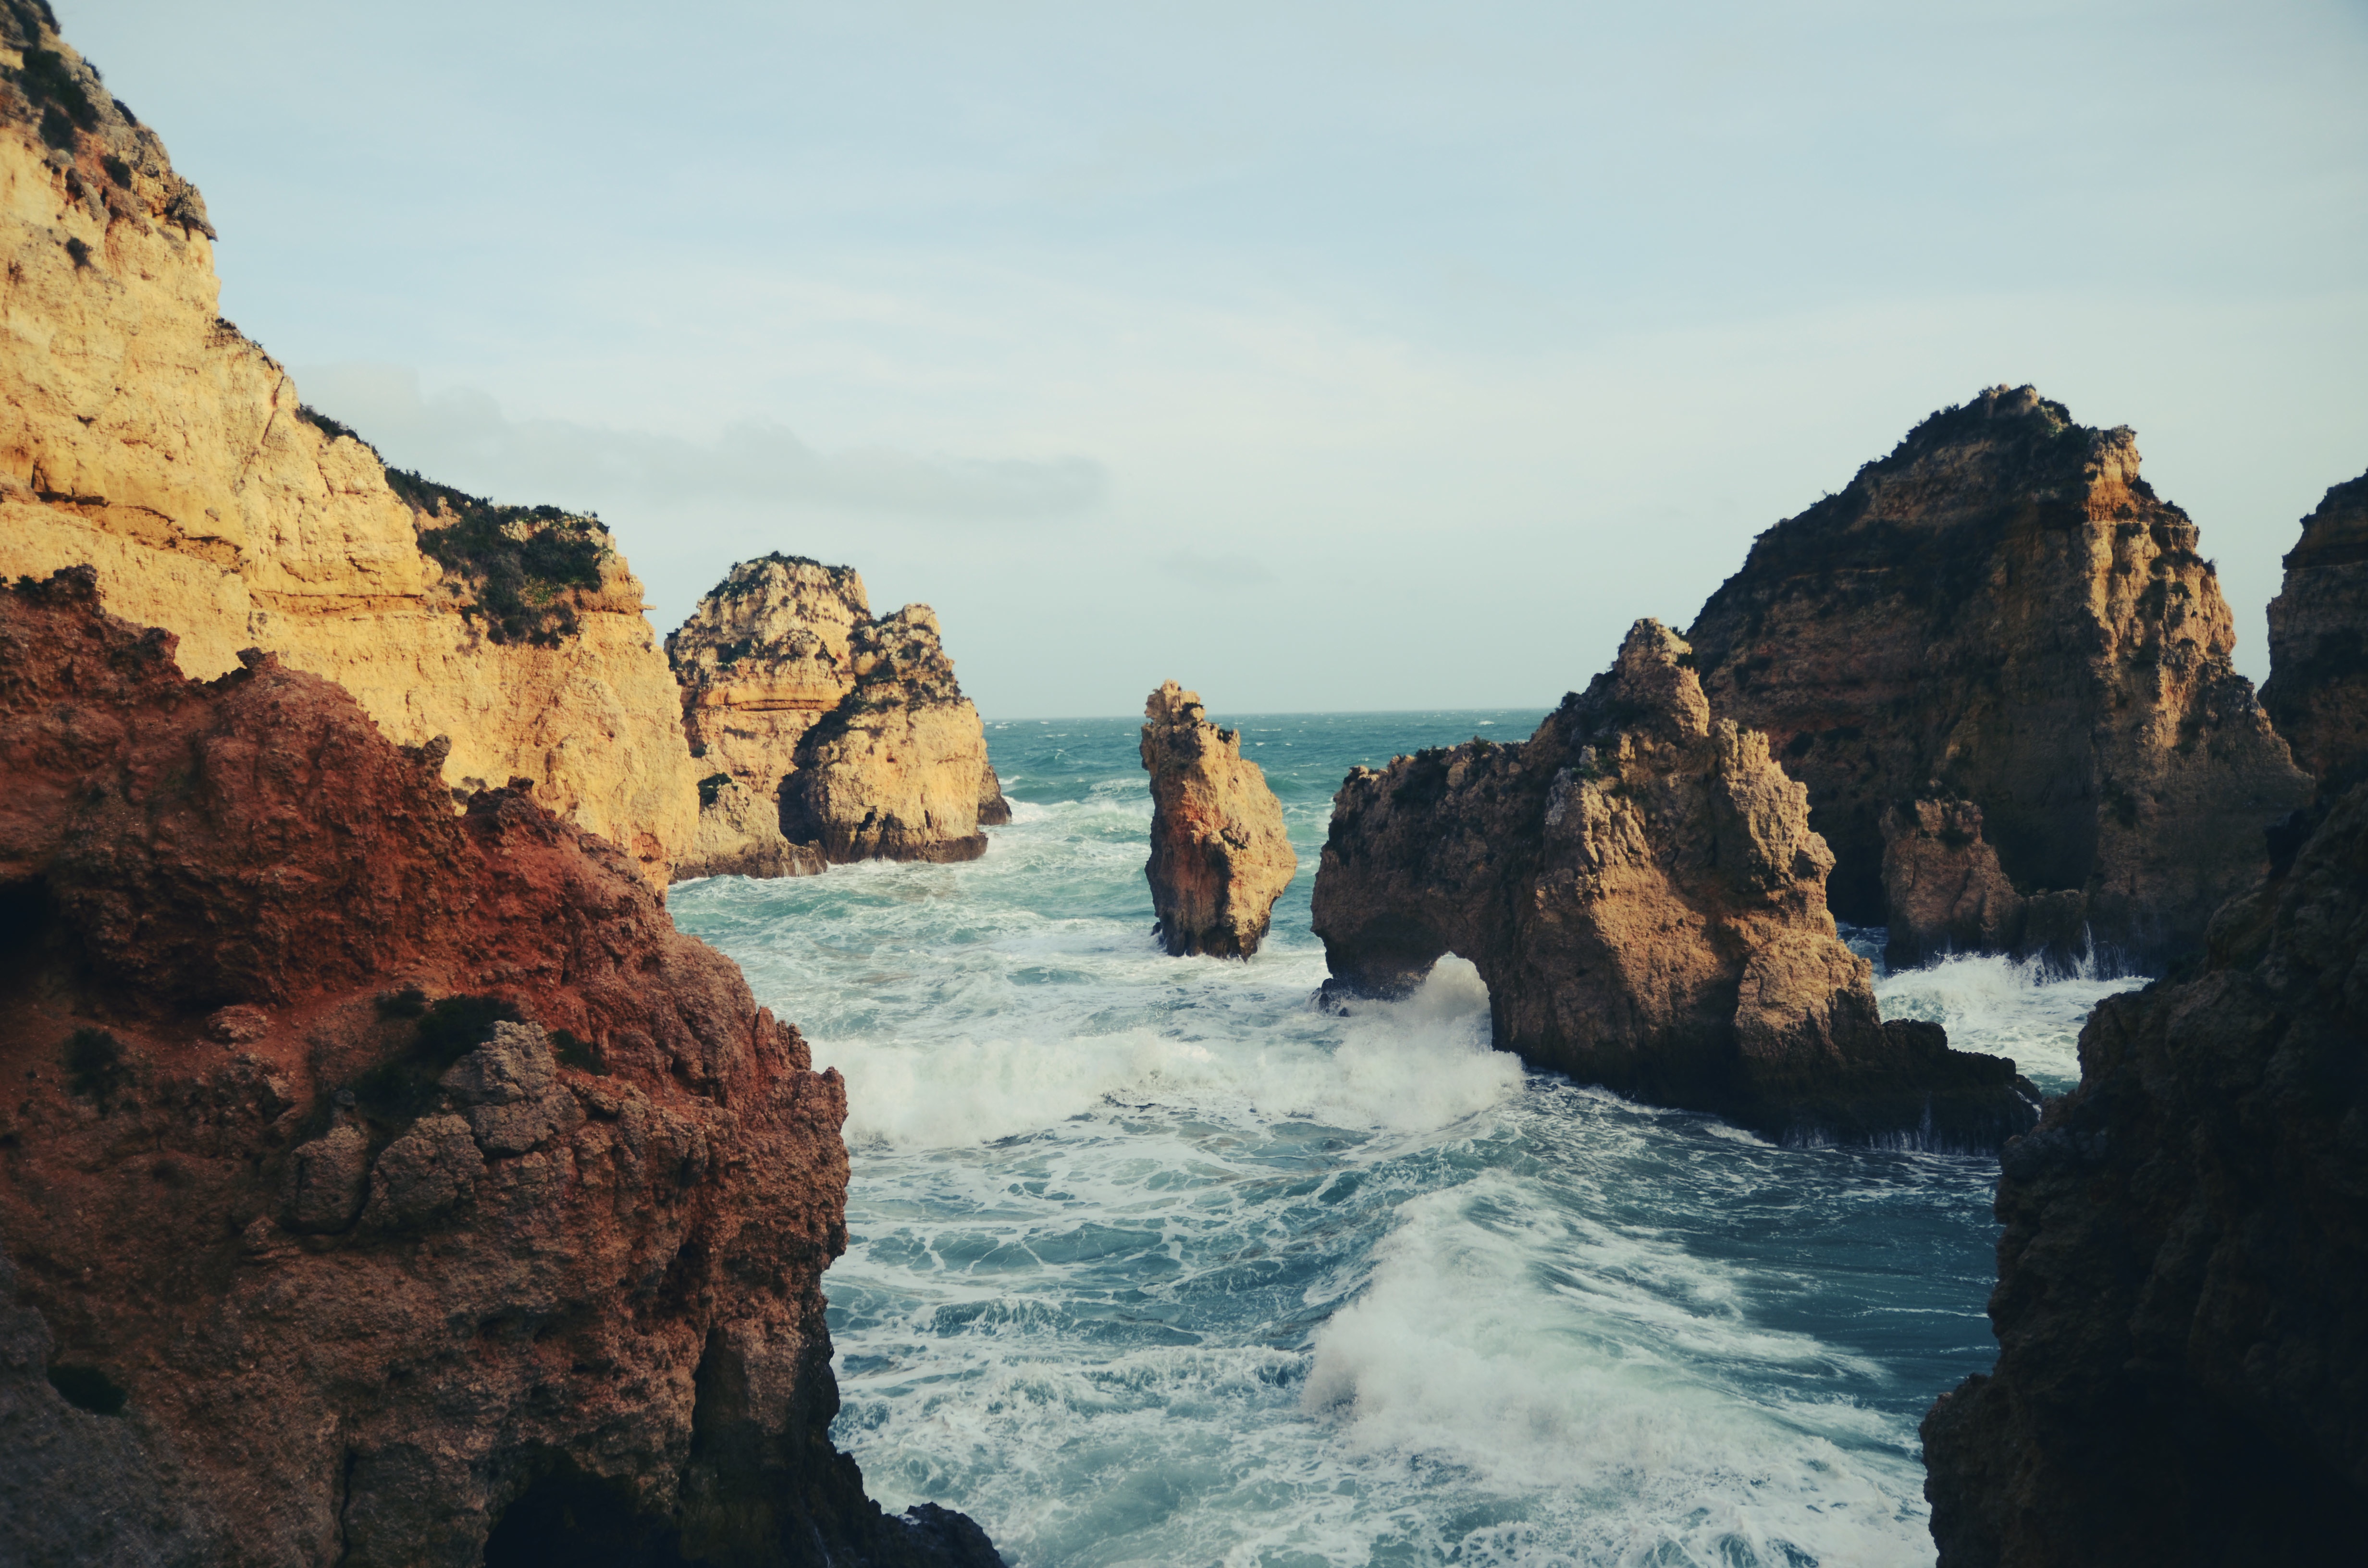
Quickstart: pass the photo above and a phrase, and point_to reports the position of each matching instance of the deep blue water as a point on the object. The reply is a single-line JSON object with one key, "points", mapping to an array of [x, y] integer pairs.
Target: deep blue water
{"points": [[1155, 1263]]}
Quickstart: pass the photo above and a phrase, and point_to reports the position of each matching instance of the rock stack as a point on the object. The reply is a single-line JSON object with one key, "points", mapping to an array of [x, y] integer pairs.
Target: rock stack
{"points": [[1640, 888], [383, 1185], [2318, 689], [824, 735], [1218, 854], [2000, 645]]}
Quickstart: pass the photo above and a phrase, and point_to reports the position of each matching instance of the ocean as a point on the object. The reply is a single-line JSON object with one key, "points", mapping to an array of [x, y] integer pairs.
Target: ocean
{"points": [[1153, 1262]]}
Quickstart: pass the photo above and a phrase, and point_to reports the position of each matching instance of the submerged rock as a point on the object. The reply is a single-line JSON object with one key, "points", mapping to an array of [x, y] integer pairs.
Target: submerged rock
{"points": [[1640, 888], [2002, 614], [2318, 689], [827, 735], [1218, 854], [382, 1185], [2182, 1299]]}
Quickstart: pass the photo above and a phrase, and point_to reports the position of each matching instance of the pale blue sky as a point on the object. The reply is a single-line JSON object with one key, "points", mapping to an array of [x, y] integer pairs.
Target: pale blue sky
{"points": [[1317, 355]]}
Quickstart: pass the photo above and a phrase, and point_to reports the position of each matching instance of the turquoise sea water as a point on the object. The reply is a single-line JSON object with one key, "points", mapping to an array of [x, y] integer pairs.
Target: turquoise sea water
{"points": [[1153, 1262]]}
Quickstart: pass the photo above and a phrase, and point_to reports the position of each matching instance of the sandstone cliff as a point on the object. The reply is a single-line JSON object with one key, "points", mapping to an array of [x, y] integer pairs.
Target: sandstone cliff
{"points": [[2182, 1298], [1639, 886], [1218, 854], [146, 437], [379, 1185], [2318, 689], [850, 732], [2002, 614]]}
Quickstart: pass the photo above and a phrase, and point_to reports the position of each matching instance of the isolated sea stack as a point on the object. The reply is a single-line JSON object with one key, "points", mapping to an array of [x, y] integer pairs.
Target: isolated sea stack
{"points": [[382, 1185], [1218, 854], [1640, 888], [143, 434], [2003, 671], [2318, 689], [824, 735]]}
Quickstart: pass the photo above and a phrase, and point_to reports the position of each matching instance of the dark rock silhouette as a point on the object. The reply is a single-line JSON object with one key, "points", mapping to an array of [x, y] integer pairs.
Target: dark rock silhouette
{"points": [[2318, 689]]}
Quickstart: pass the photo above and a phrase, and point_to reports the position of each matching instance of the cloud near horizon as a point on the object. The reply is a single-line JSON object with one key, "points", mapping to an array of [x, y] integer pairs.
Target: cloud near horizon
{"points": [[461, 436]]}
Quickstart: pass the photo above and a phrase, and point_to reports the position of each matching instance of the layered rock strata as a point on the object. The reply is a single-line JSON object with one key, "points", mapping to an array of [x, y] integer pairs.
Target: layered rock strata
{"points": [[1218, 854], [2182, 1299], [379, 1185], [2318, 689], [851, 730], [2003, 614], [1640, 888], [146, 437]]}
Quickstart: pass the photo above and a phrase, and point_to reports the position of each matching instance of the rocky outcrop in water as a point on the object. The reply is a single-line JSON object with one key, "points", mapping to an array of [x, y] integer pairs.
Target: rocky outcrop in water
{"points": [[1640, 888], [2182, 1298], [379, 1185], [1218, 854], [2318, 689], [850, 730], [2003, 614], [146, 437]]}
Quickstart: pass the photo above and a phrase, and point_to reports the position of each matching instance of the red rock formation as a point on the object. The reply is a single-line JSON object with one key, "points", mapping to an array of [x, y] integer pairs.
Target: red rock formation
{"points": [[1639, 886], [1220, 856], [2182, 1299], [2001, 612], [2318, 689], [383, 1186]]}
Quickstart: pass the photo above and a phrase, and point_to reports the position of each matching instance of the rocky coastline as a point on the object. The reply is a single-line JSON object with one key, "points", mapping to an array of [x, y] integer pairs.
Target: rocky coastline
{"points": [[1640, 887]]}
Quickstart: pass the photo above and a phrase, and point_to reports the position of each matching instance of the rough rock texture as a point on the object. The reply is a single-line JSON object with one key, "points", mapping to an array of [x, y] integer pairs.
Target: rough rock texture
{"points": [[1639, 886], [2182, 1298], [2318, 689], [146, 437], [1948, 893], [2001, 612], [854, 725], [383, 1186], [1218, 854]]}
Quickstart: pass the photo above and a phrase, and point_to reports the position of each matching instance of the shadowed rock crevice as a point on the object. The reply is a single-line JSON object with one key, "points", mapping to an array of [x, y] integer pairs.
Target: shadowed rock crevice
{"points": [[2002, 621], [1640, 888]]}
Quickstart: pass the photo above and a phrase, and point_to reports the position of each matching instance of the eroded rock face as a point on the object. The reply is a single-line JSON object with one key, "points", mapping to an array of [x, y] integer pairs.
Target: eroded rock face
{"points": [[146, 437], [2003, 613], [2182, 1298], [1218, 854], [391, 1186], [1640, 888], [851, 729], [2318, 689]]}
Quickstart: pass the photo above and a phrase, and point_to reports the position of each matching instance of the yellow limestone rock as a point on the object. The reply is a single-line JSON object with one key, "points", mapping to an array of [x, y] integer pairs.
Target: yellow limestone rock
{"points": [[146, 436], [823, 734], [1218, 854]]}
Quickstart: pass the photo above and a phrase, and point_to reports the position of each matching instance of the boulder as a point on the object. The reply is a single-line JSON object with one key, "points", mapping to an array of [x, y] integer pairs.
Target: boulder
{"points": [[1218, 854], [1640, 888], [2318, 689], [827, 735], [2002, 613]]}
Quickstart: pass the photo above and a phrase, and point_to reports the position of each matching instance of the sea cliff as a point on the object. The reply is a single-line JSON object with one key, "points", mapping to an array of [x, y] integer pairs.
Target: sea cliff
{"points": [[1220, 856]]}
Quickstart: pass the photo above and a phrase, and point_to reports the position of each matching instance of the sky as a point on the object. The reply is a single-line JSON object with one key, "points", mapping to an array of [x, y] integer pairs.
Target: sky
{"points": [[1318, 356]]}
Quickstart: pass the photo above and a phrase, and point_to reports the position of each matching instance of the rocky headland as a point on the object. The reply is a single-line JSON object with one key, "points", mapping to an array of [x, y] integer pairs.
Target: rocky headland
{"points": [[825, 735], [147, 437], [383, 1185], [2002, 669], [1640, 888], [1220, 856], [2318, 689]]}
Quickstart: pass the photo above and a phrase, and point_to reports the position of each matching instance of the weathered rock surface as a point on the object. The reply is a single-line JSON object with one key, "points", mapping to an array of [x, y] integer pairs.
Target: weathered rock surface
{"points": [[1639, 886], [1218, 854], [2003, 613], [2182, 1298], [383, 1186], [146, 437], [852, 728], [2318, 689]]}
